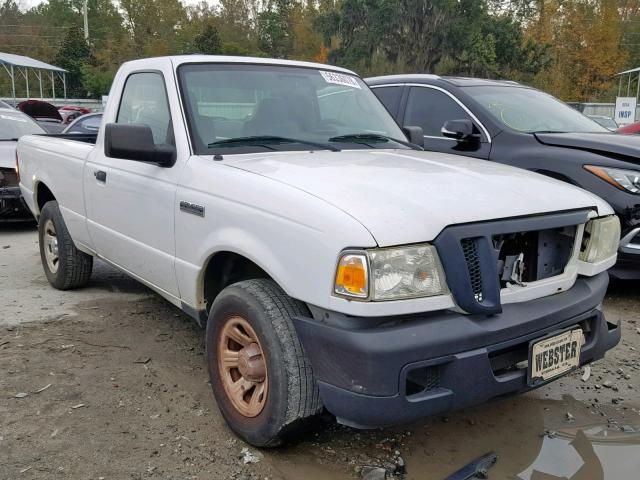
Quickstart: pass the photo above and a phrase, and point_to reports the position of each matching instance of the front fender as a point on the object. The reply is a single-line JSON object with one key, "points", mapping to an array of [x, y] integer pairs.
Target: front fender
{"points": [[293, 236]]}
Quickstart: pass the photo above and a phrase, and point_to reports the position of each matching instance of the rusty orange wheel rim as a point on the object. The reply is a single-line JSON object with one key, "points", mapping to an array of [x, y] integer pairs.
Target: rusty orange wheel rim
{"points": [[242, 366]]}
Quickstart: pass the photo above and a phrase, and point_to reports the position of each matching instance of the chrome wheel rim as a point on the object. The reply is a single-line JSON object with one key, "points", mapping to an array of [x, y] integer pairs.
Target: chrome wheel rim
{"points": [[50, 243], [242, 367]]}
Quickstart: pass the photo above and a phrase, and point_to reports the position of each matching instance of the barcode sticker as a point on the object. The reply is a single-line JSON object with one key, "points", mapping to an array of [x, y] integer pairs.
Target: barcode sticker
{"points": [[340, 79]]}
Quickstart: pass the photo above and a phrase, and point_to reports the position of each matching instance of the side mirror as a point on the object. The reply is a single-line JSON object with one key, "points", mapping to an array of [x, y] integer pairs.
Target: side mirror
{"points": [[459, 129], [415, 135], [135, 142]]}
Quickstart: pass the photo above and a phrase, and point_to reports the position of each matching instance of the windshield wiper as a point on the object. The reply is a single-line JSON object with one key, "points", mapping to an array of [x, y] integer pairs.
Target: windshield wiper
{"points": [[265, 140], [8, 139], [365, 138]]}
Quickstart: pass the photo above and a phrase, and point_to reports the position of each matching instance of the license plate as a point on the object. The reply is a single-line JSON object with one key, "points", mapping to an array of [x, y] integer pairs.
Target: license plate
{"points": [[554, 356]]}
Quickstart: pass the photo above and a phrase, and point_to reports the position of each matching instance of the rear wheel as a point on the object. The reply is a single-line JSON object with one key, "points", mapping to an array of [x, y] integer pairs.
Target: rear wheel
{"points": [[261, 377], [65, 266]]}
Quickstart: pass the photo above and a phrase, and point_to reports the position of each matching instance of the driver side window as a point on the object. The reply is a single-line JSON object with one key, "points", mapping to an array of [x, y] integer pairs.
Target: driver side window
{"points": [[430, 108], [144, 102]]}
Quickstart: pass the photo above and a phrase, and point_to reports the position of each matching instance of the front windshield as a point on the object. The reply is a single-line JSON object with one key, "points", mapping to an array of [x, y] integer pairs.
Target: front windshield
{"points": [[13, 125], [528, 110], [606, 122], [240, 108]]}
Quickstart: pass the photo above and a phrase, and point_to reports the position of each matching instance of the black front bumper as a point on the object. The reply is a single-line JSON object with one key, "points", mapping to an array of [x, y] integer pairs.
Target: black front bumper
{"points": [[421, 365], [12, 206]]}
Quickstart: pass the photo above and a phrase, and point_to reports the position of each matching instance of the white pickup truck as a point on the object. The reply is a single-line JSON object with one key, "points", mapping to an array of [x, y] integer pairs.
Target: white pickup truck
{"points": [[335, 264]]}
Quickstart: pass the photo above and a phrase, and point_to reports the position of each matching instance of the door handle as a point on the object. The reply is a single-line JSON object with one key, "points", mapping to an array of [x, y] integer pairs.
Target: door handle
{"points": [[100, 176]]}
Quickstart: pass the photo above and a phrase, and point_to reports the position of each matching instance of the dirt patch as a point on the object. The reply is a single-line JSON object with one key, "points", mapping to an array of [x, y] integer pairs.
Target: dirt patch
{"points": [[133, 367], [128, 398], [125, 395]]}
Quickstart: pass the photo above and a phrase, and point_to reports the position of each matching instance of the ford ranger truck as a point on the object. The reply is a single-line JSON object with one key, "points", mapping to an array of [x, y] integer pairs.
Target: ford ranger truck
{"points": [[335, 264]]}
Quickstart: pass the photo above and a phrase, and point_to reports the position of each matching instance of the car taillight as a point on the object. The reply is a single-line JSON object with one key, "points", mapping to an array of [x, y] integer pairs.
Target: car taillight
{"points": [[17, 167]]}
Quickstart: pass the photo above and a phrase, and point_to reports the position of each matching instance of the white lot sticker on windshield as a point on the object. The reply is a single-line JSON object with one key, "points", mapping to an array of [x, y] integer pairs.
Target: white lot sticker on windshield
{"points": [[15, 119], [340, 79]]}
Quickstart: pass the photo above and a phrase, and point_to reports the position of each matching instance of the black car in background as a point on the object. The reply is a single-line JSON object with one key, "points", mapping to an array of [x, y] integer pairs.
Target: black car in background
{"points": [[517, 125]]}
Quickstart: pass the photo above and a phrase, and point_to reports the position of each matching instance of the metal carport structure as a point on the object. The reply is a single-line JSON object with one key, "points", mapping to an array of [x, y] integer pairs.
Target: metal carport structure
{"points": [[630, 74], [16, 65]]}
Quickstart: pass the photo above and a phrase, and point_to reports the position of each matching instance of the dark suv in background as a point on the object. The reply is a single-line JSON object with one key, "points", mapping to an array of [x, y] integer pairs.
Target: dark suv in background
{"points": [[514, 124]]}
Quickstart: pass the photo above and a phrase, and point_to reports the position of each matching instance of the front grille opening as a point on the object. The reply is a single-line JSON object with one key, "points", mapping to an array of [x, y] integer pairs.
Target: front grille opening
{"points": [[470, 250], [531, 256], [422, 379]]}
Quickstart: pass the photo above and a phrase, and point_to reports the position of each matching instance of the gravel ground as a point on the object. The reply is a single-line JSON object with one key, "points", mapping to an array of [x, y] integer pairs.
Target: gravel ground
{"points": [[110, 382]]}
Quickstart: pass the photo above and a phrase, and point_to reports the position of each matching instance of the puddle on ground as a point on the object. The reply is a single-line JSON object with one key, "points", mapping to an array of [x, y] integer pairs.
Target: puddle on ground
{"points": [[534, 440], [587, 452]]}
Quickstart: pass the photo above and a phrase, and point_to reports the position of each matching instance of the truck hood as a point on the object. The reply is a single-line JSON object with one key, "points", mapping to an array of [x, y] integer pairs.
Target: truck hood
{"points": [[602, 143], [8, 154], [404, 196]]}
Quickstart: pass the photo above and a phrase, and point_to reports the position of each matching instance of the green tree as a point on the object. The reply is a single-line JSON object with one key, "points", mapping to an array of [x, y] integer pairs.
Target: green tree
{"points": [[408, 34], [74, 53], [274, 28], [10, 14], [630, 31], [467, 37], [155, 25], [96, 80], [237, 23], [583, 39], [10, 22], [208, 41]]}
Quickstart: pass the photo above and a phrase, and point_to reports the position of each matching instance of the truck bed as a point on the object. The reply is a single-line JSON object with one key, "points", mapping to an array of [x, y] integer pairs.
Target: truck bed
{"points": [[56, 160]]}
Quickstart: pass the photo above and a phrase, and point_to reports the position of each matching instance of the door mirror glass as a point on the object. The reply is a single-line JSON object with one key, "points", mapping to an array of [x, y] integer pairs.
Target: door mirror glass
{"points": [[415, 135], [135, 142], [462, 130]]}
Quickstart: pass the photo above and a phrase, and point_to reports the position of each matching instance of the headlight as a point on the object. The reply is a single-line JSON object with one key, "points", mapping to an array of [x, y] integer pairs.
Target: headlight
{"points": [[393, 273], [627, 180], [600, 240], [406, 273]]}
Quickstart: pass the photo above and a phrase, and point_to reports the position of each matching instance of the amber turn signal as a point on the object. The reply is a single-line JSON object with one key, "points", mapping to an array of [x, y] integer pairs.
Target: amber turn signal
{"points": [[351, 276]]}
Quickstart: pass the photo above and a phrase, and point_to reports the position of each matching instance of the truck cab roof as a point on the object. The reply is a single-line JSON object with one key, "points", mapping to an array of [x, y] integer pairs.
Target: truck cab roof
{"points": [[177, 60]]}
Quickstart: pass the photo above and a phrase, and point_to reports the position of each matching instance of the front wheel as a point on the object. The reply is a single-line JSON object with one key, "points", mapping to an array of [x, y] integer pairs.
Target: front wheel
{"points": [[65, 266], [261, 377]]}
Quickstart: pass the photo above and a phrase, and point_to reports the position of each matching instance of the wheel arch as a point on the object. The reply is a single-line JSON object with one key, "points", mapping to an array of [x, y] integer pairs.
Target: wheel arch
{"points": [[224, 268], [42, 194]]}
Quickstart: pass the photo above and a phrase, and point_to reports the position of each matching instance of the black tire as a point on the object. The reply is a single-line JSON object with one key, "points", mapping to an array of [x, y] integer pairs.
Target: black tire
{"points": [[292, 391], [73, 267]]}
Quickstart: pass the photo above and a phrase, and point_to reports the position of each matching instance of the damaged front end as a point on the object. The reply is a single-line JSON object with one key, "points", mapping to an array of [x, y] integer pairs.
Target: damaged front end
{"points": [[12, 206], [535, 255]]}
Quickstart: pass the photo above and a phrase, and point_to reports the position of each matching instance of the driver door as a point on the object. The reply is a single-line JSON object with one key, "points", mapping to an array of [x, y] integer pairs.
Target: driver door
{"points": [[430, 108], [130, 204]]}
